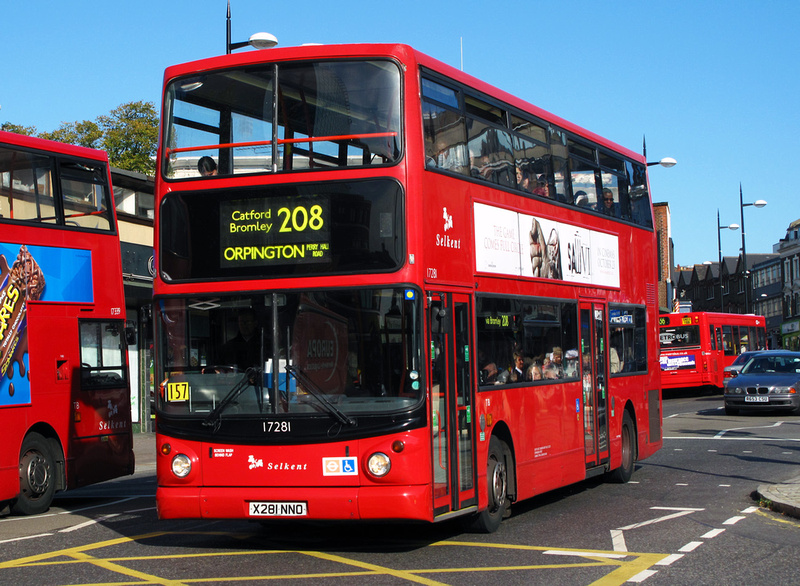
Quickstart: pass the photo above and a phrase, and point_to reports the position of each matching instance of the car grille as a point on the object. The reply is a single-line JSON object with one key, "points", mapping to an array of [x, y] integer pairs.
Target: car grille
{"points": [[757, 390]]}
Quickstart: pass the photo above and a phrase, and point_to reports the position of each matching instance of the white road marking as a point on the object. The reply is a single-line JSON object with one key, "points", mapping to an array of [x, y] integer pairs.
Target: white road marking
{"points": [[670, 559], [27, 537], [591, 554], [618, 538], [642, 576], [87, 523]]}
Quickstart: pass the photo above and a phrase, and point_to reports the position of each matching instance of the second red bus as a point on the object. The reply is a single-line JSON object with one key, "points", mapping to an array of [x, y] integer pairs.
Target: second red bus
{"points": [[696, 347], [65, 406]]}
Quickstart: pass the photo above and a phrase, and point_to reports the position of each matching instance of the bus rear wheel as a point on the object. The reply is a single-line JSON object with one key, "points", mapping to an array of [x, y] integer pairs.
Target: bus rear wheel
{"points": [[37, 477], [490, 518], [627, 437]]}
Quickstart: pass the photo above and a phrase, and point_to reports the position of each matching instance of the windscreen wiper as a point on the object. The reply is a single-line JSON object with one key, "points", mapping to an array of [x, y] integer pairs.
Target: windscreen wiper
{"points": [[319, 395], [251, 376]]}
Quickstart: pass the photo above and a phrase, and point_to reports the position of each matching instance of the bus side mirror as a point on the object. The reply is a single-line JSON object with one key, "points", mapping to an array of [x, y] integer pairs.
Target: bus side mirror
{"points": [[439, 322], [130, 333]]}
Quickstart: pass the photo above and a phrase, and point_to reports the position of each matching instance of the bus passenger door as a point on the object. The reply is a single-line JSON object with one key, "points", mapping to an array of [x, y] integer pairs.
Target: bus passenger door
{"points": [[595, 383], [716, 353], [450, 375]]}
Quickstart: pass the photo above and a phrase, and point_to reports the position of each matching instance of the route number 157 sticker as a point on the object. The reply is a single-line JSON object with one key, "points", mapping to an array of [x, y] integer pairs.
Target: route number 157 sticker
{"points": [[177, 392]]}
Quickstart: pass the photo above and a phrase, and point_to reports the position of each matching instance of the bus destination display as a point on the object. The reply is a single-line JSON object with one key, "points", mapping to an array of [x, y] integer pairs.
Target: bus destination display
{"points": [[274, 231]]}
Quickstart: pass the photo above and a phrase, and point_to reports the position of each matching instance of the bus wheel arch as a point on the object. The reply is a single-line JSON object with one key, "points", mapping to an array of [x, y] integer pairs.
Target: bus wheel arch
{"points": [[503, 434], [628, 447], [500, 480], [41, 464]]}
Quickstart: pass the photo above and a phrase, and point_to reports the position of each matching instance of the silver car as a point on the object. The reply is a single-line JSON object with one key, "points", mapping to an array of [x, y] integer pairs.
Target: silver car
{"points": [[734, 367], [769, 380]]}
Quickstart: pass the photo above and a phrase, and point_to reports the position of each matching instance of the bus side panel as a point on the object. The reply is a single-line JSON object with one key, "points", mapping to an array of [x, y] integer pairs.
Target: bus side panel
{"points": [[626, 392], [92, 427], [13, 422], [102, 443], [548, 451]]}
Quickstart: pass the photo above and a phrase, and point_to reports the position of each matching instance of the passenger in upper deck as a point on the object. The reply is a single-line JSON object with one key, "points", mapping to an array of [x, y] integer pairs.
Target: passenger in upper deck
{"points": [[608, 206], [524, 180], [541, 186], [206, 166]]}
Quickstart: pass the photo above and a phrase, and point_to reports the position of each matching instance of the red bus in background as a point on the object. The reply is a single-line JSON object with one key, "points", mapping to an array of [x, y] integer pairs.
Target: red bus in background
{"points": [[696, 347], [356, 247], [65, 407]]}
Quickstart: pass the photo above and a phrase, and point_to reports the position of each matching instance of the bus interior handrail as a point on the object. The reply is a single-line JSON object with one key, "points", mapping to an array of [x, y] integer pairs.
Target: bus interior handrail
{"points": [[310, 139]]}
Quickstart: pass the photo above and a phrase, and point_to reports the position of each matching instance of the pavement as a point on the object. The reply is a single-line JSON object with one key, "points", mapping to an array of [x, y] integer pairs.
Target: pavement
{"points": [[144, 448], [783, 497]]}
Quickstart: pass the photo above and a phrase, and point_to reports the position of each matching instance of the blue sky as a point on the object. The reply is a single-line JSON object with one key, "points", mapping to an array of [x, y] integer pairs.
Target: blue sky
{"points": [[714, 84]]}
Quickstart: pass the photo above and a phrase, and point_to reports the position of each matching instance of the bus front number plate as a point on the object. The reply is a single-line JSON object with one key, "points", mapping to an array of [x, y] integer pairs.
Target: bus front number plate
{"points": [[278, 509]]}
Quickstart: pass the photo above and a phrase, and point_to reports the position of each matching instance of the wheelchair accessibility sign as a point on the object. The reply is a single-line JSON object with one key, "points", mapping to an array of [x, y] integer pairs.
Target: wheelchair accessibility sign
{"points": [[339, 467]]}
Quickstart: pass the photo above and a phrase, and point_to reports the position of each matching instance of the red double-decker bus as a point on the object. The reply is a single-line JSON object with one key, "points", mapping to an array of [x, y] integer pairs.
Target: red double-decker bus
{"points": [[387, 290], [65, 407], [697, 346]]}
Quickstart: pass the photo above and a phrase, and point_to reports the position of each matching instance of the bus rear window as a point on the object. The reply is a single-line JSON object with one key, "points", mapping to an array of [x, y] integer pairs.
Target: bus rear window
{"points": [[679, 337]]}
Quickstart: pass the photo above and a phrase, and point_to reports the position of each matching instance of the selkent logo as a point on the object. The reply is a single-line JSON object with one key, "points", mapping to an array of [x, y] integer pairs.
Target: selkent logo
{"points": [[446, 241], [339, 467]]}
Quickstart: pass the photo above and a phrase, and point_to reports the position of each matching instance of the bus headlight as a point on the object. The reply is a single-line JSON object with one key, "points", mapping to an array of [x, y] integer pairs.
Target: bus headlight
{"points": [[379, 464], [181, 465]]}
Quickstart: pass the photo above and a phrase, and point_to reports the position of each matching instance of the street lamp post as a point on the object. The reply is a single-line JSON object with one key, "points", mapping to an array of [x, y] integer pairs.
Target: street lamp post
{"points": [[665, 162], [746, 274], [720, 228], [257, 40]]}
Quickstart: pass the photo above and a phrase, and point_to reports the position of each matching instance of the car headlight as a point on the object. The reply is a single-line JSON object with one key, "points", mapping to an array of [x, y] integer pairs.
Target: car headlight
{"points": [[181, 465], [379, 464]]}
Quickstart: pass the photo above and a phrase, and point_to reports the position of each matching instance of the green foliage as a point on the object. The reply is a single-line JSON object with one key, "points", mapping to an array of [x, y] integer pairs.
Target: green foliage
{"points": [[86, 134], [26, 130], [129, 134]]}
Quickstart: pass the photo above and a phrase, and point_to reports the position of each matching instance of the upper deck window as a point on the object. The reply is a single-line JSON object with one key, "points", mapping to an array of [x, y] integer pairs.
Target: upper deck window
{"points": [[329, 114], [54, 189], [482, 139]]}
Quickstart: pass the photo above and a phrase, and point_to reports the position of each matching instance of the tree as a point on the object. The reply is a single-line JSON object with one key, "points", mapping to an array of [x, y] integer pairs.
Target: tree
{"points": [[86, 134], [27, 130], [130, 136]]}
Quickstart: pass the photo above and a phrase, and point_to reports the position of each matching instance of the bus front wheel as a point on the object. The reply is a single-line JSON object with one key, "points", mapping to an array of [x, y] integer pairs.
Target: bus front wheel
{"points": [[37, 476], [490, 518]]}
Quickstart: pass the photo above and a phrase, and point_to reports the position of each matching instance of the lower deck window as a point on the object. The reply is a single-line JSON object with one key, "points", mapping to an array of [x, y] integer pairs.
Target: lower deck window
{"points": [[102, 354], [526, 339]]}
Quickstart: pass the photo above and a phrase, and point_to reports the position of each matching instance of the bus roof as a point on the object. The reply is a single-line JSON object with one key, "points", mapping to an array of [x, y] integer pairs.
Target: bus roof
{"points": [[52, 146], [406, 54]]}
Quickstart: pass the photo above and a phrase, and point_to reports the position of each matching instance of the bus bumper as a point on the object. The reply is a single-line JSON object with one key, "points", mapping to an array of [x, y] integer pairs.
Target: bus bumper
{"points": [[328, 503]]}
